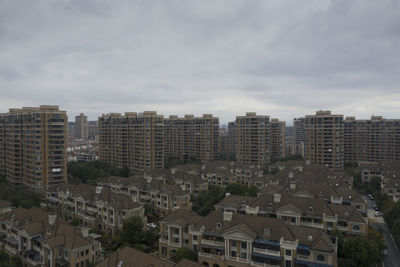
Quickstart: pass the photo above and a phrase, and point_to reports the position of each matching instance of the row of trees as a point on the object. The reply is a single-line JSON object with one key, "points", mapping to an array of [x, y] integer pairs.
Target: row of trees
{"points": [[19, 197], [90, 172], [204, 202], [7, 261]]}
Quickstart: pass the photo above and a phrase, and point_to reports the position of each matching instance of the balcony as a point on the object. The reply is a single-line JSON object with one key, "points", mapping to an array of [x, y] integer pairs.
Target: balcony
{"points": [[267, 251], [212, 243], [33, 257], [210, 255]]}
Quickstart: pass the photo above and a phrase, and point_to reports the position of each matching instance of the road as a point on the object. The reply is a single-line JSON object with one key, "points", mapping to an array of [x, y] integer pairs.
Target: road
{"points": [[393, 257]]}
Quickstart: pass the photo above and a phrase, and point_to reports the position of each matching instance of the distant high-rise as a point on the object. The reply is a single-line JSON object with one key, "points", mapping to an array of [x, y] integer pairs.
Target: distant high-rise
{"points": [[93, 130], [33, 146], [278, 138], [299, 132], [371, 140], [133, 140], [192, 137], [232, 140], [324, 139], [253, 139], [81, 127]]}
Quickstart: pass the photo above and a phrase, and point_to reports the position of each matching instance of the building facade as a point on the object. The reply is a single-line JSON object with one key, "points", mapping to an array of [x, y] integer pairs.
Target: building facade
{"points": [[278, 138], [192, 137], [299, 135], [33, 146], [324, 139], [253, 145], [371, 140], [81, 127], [134, 140]]}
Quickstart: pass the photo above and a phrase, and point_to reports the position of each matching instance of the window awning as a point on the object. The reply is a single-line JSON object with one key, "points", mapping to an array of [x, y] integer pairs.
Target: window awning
{"points": [[38, 239], [267, 242]]}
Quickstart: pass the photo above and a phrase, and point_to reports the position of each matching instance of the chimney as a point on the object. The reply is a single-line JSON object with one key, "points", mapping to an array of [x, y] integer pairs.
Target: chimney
{"points": [[277, 198], [292, 186], [228, 216], [85, 231], [52, 218]]}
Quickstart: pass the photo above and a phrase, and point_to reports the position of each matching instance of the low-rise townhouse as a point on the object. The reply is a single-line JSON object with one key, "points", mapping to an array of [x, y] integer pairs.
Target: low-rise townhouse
{"points": [[95, 207], [228, 239], [45, 239]]}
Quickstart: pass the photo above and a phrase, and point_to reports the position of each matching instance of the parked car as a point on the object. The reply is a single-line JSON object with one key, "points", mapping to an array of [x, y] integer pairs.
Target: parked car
{"points": [[376, 209], [151, 225], [378, 214], [385, 252]]}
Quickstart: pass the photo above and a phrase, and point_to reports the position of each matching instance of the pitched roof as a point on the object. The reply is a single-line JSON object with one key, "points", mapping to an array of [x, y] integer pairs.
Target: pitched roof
{"points": [[128, 257]]}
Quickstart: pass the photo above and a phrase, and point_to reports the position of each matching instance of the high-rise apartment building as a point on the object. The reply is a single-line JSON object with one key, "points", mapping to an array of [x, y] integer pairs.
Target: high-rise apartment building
{"points": [[93, 131], [133, 140], [33, 146], [278, 138], [298, 124], [81, 127], [324, 139], [232, 140], [371, 140], [253, 137], [192, 137]]}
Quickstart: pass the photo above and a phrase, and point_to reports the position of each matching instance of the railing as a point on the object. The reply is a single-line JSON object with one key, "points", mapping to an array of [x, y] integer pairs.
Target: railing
{"points": [[212, 242], [267, 251], [209, 255]]}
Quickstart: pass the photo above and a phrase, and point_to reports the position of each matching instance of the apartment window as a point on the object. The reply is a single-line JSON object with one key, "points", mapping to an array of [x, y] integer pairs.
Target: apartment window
{"points": [[60, 253], [233, 253], [243, 255], [195, 237], [176, 240], [243, 245], [77, 264], [288, 252], [82, 253], [356, 228], [87, 252], [77, 255], [176, 231], [195, 248], [233, 243]]}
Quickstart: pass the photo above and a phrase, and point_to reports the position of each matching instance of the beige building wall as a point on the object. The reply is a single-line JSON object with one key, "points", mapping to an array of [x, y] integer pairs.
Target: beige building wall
{"points": [[33, 146], [81, 127], [324, 139], [253, 137]]}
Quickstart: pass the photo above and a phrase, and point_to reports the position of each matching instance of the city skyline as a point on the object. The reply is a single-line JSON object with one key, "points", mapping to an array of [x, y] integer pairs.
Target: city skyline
{"points": [[283, 59]]}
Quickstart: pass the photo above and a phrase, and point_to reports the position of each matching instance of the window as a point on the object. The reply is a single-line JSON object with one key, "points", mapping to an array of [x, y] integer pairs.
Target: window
{"points": [[82, 253], [233, 253], [321, 258], [288, 252], [195, 248], [243, 245], [356, 228], [87, 252], [243, 255], [176, 231], [195, 237], [77, 255], [233, 243], [176, 240]]}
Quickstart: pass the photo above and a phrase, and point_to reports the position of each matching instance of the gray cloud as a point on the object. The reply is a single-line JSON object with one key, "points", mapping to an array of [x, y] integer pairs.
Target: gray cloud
{"points": [[281, 58]]}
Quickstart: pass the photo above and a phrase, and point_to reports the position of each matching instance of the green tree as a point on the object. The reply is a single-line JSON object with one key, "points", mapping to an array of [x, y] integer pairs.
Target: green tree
{"points": [[132, 230], [75, 221], [360, 251], [185, 253]]}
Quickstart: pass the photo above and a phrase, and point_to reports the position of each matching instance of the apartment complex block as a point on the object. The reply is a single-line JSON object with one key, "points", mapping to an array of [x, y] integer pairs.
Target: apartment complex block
{"points": [[324, 139], [299, 135], [278, 138], [371, 140], [81, 127], [44, 239], [33, 146], [253, 139], [134, 140], [94, 207], [227, 239], [192, 137]]}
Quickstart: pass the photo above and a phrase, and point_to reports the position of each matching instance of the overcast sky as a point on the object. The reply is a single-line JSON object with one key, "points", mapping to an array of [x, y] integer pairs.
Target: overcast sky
{"points": [[280, 58]]}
